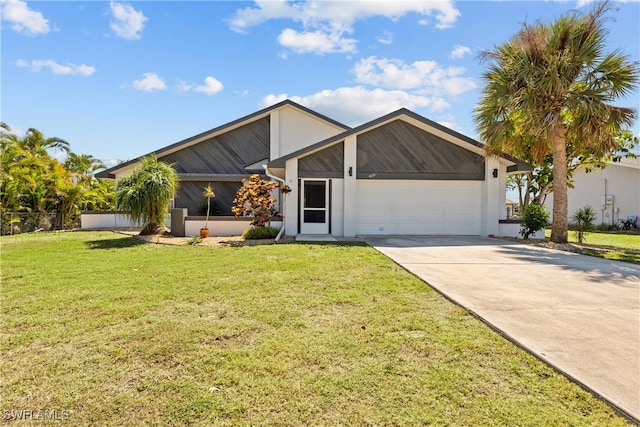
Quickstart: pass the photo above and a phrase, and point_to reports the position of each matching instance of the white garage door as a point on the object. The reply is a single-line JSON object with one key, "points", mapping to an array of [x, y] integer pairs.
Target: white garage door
{"points": [[418, 207]]}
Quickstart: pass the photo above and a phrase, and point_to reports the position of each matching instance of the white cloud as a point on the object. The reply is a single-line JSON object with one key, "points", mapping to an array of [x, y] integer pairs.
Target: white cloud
{"points": [[422, 76], [385, 38], [211, 86], [109, 163], [342, 13], [60, 69], [583, 3], [357, 105], [459, 51], [127, 22], [149, 82], [325, 22], [24, 20], [317, 42]]}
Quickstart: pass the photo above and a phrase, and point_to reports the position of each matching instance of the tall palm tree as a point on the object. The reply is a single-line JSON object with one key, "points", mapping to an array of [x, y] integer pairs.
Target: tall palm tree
{"points": [[146, 193], [35, 143], [554, 84]]}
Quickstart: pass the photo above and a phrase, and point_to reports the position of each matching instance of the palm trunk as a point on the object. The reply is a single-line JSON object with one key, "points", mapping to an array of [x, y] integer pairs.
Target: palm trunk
{"points": [[560, 222]]}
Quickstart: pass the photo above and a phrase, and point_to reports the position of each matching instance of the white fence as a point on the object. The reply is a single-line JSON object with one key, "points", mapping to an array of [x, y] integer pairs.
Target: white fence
{"points": [[108, 220], [218, 225]]}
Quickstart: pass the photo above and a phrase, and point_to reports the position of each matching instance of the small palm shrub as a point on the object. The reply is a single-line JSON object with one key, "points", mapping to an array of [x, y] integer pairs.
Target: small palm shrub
{"points": [[584, 218], [194, 240], [534, 218], [260, 233]]}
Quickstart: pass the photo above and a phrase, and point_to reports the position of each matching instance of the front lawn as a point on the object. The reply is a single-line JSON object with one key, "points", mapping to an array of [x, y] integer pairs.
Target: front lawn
{"points": [[119, 332], [613, 245]]}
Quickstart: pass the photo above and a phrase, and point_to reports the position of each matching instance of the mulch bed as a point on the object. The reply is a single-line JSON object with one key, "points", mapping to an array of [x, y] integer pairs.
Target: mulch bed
{"points": [[168, 239]]}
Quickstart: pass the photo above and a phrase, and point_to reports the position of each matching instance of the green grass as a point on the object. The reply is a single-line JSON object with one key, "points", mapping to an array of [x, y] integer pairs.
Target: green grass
{"points": [[124, 333], [613, 245]]}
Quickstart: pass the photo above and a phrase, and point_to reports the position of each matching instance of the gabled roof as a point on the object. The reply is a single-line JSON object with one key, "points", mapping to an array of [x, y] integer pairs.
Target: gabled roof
{"points": [[110, 173], [280, 162]]}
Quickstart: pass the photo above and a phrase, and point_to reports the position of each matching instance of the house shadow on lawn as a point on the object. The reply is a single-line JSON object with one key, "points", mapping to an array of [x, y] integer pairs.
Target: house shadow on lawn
{"points": [[120, 243]]}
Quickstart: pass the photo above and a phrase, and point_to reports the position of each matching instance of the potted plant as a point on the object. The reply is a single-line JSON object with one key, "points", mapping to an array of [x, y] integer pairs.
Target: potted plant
{"points": [[208, 193]]}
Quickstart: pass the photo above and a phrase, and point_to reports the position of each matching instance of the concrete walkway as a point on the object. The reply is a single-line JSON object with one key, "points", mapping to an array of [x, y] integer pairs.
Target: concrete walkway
{"points": [[578, 313]]}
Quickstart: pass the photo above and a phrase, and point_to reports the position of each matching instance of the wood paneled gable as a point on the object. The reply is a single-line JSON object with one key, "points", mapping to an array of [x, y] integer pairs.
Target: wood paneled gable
{"points": [[399, 150], [326, 163], [226, 153]]}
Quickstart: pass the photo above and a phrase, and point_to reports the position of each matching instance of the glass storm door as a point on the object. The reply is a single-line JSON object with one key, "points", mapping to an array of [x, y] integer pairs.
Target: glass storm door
{"points": [[315, 207]]}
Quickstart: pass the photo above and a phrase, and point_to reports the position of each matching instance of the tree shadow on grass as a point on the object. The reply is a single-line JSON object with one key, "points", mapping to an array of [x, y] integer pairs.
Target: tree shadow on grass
{"points": [[120, 243]]}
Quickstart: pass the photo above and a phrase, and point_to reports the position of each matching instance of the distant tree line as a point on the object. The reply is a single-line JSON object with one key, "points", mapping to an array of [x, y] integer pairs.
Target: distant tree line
{"points": [[33, 182]]}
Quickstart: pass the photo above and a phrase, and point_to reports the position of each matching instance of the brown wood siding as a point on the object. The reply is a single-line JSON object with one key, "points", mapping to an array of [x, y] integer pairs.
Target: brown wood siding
{"points": [[190, 196], [327, 163], [399, 150], [227, 153]]}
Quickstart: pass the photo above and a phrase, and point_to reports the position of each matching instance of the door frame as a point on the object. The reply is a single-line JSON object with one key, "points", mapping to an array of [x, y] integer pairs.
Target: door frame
{"points": [[315, 228]]}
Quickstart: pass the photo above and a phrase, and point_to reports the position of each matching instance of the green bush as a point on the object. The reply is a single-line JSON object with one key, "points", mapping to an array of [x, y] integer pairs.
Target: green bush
{"points": [[194, 240], [260, 233], [214, 210], [584, 218], [534, 218]]}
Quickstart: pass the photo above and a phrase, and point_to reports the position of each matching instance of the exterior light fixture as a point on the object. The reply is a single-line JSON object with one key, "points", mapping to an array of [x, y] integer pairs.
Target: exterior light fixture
{"points": [[495, 173]]}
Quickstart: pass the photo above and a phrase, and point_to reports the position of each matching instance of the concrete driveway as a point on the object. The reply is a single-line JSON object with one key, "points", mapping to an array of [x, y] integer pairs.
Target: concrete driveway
{"points": [[578, 313]]}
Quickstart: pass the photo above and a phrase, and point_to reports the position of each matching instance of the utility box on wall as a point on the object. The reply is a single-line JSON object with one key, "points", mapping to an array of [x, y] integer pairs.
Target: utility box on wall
{"points": [[607, 200]]}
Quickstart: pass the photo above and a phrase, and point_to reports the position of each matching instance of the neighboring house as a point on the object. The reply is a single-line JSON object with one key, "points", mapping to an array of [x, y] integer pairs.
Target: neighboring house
{"points": [[513, 209], [398, 174], [613, 192]]}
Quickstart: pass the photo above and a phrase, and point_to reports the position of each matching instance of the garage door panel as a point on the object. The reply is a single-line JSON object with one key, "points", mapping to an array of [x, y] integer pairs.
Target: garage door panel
{"points": [[418, 207]]}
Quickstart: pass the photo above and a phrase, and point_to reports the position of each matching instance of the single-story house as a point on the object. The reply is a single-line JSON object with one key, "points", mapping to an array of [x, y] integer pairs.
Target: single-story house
{"points": [[613, 192], [397, 174]]}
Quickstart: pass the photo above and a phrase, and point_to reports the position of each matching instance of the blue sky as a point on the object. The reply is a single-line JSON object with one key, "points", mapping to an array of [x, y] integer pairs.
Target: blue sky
{"points": [[120, 79]]}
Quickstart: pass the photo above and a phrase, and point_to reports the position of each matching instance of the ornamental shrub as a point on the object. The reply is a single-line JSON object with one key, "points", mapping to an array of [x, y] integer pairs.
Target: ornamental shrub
{"points": [[534, 218], [584, 218], [254, 199], [260, 233]]}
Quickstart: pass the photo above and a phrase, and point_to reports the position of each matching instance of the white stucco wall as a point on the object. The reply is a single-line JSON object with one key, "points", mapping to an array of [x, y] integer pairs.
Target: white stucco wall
{"points": [[337, 207], [291, 206], [106, 220], [620, 180], [292, 129], [220, 227], [492, 197]]}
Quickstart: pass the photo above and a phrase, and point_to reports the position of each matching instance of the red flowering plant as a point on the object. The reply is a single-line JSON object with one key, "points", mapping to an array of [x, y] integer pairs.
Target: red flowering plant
{"points": [[285, 189], [254, 199]]}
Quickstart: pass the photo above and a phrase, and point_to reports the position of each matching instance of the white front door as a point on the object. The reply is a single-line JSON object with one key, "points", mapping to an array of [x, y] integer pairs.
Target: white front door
{"points": [[315, 206]]}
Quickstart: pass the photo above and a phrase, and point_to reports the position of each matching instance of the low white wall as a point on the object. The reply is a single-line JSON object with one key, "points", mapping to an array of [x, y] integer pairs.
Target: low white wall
{"points": [[220, 226], [512, 229], [96, 220]]}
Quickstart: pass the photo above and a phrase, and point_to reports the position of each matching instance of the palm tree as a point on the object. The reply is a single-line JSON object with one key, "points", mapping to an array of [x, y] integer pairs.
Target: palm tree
{"points": [[84, 166], [208, 193], [146, 193], [35, 143], [552, 85]]}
